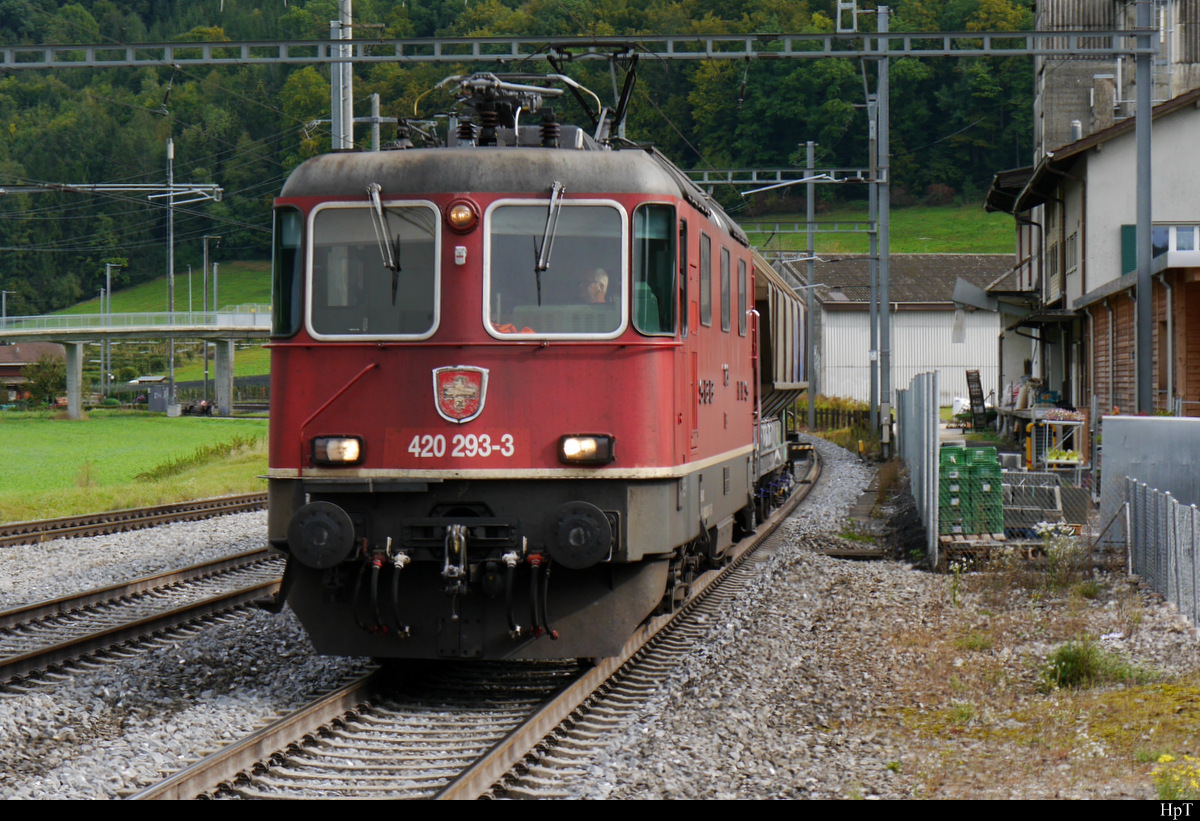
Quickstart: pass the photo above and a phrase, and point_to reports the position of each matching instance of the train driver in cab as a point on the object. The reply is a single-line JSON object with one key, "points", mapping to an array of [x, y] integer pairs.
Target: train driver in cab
{"points": [[593, 286]]}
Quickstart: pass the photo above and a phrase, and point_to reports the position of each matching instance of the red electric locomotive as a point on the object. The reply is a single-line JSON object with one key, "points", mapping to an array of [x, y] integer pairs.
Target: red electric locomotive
{"points": [[516, 385]]}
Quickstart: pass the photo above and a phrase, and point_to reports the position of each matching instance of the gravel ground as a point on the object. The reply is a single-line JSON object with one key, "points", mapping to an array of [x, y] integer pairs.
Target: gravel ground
{"points": [[826, 682], [822, 682], [109, 731]]}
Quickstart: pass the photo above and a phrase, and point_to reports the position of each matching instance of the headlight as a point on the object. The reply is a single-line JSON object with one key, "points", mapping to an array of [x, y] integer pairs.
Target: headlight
{"points": [[590, 449], [337, 450], [462, 216]]}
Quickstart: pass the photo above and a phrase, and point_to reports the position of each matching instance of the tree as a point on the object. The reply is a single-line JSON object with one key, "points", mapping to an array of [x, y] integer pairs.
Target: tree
{"points": [[46, 379]]}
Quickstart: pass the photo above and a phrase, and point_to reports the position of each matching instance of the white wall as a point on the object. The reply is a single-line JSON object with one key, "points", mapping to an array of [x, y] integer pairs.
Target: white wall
{"points": [[1112, 188], [921, 342]]}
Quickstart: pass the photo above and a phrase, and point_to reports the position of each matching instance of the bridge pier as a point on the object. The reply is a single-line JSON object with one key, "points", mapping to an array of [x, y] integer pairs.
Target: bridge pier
{"points": [[223, 387], [74, 379]]}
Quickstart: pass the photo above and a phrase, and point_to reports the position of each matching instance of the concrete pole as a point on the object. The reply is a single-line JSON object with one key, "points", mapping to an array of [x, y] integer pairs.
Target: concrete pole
{"points": [[809, 299], [1144, 336], [374, 122], [885, 325], [224, 377], [171, 269], [106, 350], [204, 308], [74, 365], [873, 262], [4, 308], [341, 86]]}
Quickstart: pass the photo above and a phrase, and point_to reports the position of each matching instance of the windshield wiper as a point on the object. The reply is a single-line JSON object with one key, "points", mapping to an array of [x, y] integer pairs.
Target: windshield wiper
{"points": [[542, 262], [389, 249]]}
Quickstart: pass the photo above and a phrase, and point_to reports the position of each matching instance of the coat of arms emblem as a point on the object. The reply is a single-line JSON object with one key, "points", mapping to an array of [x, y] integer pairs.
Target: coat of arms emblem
{"points": [[459, 392]]}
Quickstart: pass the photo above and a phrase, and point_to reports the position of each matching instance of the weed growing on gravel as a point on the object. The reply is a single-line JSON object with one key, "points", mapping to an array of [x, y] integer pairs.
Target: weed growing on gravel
{"points": [[1177, 779], [1089, 589], [1085, 663], [1066, 557], [975, 641], [958, 567], [852, 531], [962, 713]]}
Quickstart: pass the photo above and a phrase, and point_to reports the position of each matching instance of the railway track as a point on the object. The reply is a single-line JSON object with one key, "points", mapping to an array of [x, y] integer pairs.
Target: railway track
{"points": [[118, 521], [465, 730], [41, 636]]}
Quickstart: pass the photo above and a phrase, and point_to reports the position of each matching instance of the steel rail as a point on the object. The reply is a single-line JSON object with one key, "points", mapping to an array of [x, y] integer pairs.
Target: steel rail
{"points": [[66, 604], [23, 664], [116, 521], [227, 762]]}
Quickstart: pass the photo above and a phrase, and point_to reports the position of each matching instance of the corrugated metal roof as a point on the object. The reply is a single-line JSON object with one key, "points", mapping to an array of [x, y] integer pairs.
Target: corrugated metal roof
{"points": [[923, 278]]}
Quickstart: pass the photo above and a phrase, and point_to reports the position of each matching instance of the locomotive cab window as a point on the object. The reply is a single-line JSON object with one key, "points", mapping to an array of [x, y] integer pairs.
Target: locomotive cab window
{"points": [[654, 269], [287, 272], [364, 282], [581, 292], [705, 280]]}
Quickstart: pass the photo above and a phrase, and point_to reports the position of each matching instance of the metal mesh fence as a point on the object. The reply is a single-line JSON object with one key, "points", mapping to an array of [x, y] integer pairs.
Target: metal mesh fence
{"points": [[917, 439], [1164, 539]]}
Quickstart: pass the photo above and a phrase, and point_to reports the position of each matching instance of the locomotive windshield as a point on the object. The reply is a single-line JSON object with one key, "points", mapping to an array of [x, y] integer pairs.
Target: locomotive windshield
{"points": [[353, 294], [581, 294]]}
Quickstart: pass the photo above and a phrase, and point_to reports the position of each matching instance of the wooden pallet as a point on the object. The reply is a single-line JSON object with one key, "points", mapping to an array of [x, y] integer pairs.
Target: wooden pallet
{"points": [[973, 539]]}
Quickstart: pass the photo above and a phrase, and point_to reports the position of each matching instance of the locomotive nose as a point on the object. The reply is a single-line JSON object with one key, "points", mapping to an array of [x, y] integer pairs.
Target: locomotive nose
{"points": [[321, 535], [579, 535]]}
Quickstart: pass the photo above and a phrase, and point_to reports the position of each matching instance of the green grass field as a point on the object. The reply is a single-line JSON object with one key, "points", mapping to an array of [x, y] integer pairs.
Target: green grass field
{"points": [[255, 361], [238, 283], [60, 467], [949, 229]]}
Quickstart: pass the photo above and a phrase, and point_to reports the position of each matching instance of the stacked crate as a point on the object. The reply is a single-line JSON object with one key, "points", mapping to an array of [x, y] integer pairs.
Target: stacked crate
{"points": [[970, 499], [987, 496], [953, 491]]}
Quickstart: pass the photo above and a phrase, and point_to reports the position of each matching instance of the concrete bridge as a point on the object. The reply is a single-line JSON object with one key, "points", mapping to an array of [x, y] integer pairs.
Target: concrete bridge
{"points": [[73, 331]]}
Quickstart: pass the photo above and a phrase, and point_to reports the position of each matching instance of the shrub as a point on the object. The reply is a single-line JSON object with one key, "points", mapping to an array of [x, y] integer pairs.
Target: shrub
{"points": [[1085, 663]]}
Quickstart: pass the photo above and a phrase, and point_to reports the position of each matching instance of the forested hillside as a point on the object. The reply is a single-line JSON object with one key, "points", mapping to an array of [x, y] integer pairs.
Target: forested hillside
{"points": [[954, 123]]}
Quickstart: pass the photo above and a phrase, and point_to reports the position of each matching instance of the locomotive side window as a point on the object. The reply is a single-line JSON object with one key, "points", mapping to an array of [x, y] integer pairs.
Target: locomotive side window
{"points": [[654, 269], [581, 293], [358, 287], [743, 297], [287, 272], [705, 280], [724, 289]]}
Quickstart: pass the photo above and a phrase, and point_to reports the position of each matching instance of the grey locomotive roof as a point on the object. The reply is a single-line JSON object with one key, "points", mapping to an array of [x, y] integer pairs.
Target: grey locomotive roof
{"points": [[420, 171], [441, 170]]}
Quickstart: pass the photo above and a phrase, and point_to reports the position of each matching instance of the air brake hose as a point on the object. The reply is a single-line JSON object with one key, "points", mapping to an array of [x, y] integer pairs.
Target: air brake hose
{"points": [[376, 567], [535, 562], [510, 564], [543, 602]]}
